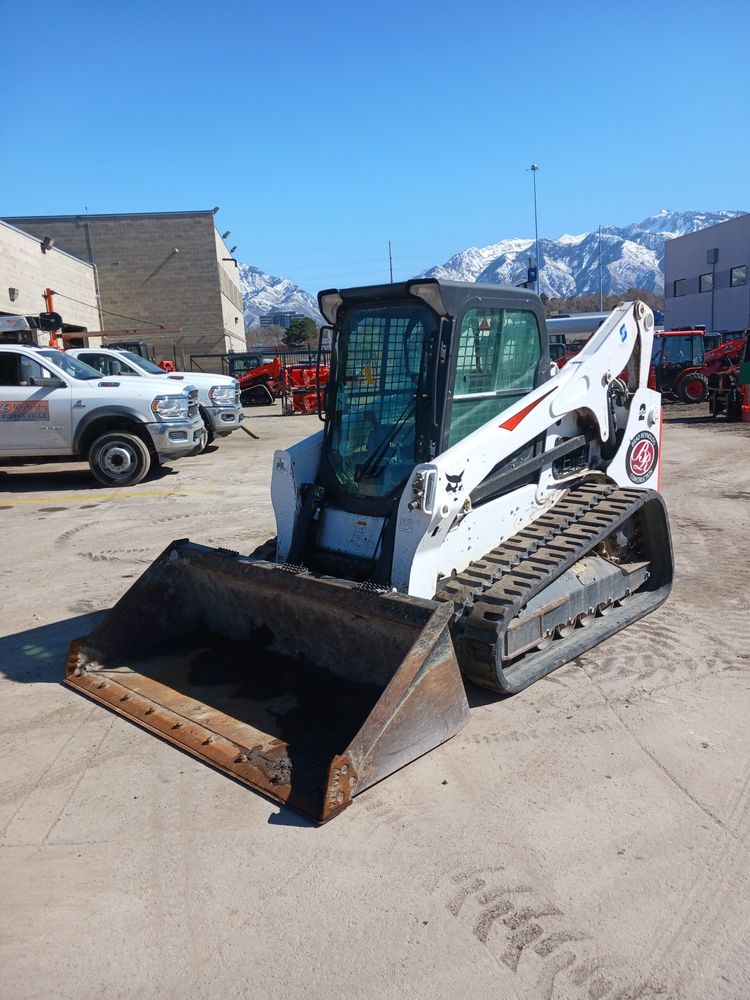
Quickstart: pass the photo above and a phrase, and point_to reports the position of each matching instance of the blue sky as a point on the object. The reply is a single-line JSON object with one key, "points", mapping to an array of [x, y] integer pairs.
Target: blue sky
{"points": [[323, 130]]}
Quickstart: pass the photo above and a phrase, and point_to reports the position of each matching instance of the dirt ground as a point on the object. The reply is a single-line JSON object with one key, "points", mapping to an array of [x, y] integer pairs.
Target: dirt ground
{"points": [[589, 838]]}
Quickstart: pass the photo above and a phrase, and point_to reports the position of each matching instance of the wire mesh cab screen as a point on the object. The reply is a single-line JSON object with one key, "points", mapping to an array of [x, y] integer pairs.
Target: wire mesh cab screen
{"points": [[377, 370]]}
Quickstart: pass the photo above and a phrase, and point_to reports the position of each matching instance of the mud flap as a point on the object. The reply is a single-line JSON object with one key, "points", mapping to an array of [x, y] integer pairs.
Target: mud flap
{"points": [[308, 689]]}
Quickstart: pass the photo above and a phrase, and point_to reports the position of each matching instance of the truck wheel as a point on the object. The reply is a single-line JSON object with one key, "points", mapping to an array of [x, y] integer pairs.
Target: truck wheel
{"points": [[119, 459], [693, 388], [209, 433]]}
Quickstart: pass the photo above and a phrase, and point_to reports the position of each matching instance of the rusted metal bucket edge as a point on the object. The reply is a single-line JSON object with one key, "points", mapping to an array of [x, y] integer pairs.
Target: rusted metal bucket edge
{"points": [[187, 735]]}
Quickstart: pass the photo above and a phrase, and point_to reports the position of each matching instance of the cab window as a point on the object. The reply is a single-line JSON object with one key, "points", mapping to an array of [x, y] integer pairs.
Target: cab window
{"points": [[17, 369], [684, 349], [498, 356], [105, 363]]}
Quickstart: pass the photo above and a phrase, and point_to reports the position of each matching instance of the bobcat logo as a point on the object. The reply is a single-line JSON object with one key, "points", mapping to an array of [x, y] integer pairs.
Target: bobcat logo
{"points": [[453, 484]]}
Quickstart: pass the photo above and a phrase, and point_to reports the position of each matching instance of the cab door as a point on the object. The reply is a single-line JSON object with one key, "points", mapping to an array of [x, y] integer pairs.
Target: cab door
{"points": [[34, 418], [497, 363]]}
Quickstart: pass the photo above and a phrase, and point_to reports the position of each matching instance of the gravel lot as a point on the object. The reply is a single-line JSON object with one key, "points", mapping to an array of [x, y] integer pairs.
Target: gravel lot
{"points": [[588, 838]]}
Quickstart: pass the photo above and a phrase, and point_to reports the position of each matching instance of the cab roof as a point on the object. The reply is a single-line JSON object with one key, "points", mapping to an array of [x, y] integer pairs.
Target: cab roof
{"points": [[446, 298]]}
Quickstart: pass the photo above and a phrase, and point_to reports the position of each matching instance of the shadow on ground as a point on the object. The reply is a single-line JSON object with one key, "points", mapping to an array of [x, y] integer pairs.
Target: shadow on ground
{"points": [[33, 479], [37, 656]]}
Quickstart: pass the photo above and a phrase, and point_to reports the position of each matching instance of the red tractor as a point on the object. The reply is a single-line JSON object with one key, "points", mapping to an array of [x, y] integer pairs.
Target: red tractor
{"points": [[262, 383], [729, 389], [681, 366]]}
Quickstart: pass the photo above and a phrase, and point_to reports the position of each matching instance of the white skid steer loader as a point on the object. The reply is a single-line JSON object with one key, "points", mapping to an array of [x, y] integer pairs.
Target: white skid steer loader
{"points": [[465, 509]]}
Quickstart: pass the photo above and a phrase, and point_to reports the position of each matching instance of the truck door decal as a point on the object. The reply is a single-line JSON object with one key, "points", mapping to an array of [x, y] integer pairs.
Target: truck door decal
{"points": [[15, 410]]}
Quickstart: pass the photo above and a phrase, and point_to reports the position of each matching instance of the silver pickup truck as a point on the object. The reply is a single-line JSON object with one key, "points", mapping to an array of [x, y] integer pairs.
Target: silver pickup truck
{"points": [[54, 406]]}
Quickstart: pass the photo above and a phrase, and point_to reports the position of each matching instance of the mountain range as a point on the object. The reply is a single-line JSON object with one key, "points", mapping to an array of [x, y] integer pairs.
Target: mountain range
{"points": [[265, 293], [631, 257]]}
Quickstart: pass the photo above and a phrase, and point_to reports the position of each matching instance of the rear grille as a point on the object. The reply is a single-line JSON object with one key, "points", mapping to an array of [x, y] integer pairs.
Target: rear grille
{"points": [[193, 402]]}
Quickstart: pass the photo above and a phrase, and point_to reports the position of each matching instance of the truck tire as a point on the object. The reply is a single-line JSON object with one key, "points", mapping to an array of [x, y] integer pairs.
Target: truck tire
{"points": [[209, 433], [693, 388], [118, 458]]}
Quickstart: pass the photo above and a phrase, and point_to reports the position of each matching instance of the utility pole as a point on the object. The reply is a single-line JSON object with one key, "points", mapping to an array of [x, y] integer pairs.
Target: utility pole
{"points": [[601, 290], [390, 261], [533, 168]]}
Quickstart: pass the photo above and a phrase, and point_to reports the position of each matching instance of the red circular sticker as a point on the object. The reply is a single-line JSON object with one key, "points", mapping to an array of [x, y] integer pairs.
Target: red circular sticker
{"points": [[642, 457]]}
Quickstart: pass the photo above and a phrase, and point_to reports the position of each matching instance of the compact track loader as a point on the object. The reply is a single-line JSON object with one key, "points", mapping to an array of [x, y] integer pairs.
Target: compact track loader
{"points": [[465, 509]]}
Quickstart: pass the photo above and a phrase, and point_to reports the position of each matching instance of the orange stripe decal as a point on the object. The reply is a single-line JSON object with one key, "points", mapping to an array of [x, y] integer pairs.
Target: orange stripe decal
{"points": [[512, 422]]}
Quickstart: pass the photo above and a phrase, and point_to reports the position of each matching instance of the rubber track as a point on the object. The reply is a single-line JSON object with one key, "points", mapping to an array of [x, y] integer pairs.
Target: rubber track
{"points": [[490, 592]]}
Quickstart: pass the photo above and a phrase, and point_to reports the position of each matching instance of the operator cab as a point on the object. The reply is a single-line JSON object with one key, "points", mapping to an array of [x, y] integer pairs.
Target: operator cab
{"points": [[673, 353], [415, 368]]}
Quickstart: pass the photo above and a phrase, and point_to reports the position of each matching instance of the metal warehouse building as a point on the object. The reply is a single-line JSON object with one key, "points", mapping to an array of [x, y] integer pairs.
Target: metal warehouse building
{"points": [[707, 278], [163, 277]]}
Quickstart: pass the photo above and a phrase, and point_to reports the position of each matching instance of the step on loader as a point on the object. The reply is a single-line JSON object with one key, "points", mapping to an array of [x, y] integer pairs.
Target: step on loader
{"points": [[465, 509]]}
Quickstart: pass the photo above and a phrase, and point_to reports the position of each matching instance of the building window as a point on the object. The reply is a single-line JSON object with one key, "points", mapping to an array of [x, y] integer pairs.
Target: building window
{"points": [[738, 276], [706, 282], [679, 287]]}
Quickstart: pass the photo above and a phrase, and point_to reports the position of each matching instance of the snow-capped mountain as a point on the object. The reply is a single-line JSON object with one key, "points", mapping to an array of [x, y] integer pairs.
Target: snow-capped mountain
{"points": [[632, 257], [265, 293]]}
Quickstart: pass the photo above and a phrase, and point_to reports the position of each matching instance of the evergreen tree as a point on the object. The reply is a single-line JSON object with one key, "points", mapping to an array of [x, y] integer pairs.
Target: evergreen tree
{"points": [[301, 334]]}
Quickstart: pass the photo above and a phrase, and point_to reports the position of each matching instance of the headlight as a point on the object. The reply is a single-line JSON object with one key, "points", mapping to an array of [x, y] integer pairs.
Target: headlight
{"points": [[223, 395], [171, 407]]}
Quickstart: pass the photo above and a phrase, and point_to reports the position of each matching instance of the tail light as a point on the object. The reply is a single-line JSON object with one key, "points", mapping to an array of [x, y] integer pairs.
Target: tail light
{"points": [[651, 377]]}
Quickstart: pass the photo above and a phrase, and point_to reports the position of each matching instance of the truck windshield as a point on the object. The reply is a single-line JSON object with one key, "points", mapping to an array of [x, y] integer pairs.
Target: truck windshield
{"points": [[70, 365], [377, 379], [143, 363]]}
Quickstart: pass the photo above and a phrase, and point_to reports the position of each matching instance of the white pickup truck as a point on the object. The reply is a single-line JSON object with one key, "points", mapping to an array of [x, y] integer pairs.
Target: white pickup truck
{"points": [[54, 406], [219, 395]]}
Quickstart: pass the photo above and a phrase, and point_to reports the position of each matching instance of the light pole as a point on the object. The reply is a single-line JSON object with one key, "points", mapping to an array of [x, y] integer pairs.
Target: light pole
{"points": [[533, 168]]}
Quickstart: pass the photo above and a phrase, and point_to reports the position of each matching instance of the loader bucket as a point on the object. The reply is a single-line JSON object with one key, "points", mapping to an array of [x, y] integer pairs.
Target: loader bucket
{"points": [[308, 689]]}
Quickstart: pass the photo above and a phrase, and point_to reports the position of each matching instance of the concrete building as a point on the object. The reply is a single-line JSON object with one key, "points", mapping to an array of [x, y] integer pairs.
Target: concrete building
{"points": [[28, 270], [164, 277], [282, 319], [707, 278]]}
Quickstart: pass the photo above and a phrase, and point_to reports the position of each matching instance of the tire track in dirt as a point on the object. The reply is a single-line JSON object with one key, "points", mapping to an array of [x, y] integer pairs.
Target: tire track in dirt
{"points": [[66, 536], [529, 935], [134, 555]]}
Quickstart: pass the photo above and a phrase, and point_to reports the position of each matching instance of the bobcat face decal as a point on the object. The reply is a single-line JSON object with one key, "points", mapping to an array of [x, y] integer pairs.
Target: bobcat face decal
{"points": [[453, 484]]}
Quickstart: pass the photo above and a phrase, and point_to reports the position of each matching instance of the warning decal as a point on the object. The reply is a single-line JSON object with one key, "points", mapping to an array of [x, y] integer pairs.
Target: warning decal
{"points": [[33, 409], [642, 456], [484, 326]]}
